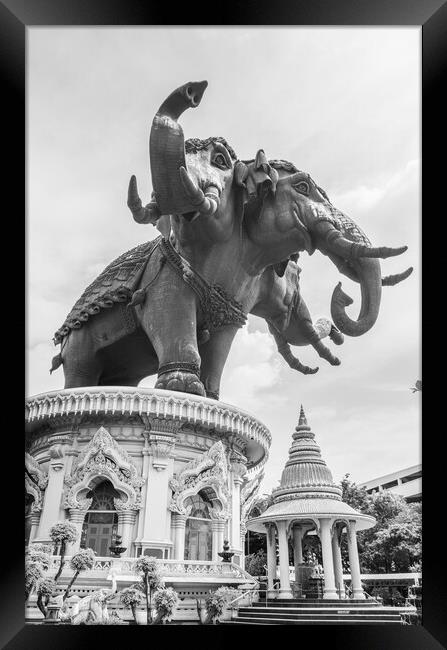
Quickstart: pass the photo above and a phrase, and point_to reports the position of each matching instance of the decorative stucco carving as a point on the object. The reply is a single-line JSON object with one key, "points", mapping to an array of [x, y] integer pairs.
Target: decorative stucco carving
{"points": [[103, 457], [249, 493], [210, 470], [36, 480]]}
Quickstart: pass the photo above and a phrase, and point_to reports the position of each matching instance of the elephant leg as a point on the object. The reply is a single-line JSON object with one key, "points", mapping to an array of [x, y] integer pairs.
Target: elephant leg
{"points": [[80, 363], [214, 354], [314, 334], [169, 318]]}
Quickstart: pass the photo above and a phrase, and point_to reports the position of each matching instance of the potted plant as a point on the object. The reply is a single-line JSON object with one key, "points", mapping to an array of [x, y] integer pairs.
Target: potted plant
{"points": [[215, 603]]}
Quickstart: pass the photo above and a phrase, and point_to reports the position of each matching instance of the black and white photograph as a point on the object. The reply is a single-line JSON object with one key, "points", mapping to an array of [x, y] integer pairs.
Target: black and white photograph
{"points": [[223, 356]]}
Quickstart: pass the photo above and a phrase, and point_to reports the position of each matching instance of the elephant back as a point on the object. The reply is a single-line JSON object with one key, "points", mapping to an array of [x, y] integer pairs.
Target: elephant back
{"points": [[115, 284]]}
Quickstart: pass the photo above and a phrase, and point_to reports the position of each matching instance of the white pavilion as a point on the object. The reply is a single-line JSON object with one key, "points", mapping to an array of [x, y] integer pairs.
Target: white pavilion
{"points": [[307, 501]]}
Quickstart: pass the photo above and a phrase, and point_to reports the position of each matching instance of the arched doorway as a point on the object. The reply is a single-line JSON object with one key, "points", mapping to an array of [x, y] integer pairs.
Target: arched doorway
{"points": [[198, 533], [101, 521]]}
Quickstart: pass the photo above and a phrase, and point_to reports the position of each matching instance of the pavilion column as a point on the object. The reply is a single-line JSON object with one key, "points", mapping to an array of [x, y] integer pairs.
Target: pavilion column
{"points": [[178, 523], [271, 559], [338, 566], [285, 589], [243, 534], [126, 522], [328, 564], [298, 533], [76, 517], [217, 528], [356, 584]]}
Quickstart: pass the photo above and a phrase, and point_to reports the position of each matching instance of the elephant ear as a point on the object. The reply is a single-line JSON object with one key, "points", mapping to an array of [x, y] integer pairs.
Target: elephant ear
{"points": [[280, 268]]}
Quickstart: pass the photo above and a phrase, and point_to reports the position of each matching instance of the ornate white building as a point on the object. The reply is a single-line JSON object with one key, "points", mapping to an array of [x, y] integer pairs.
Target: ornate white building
{"points": [[174, 474]]}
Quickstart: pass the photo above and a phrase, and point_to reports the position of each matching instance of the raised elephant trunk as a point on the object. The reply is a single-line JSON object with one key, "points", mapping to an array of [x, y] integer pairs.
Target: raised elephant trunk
{"points": [[368, 273], [174, 190]]}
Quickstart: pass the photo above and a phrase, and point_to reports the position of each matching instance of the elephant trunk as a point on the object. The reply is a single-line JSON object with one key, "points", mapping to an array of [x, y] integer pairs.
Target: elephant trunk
{"points": [[368, 272], [174, 190]]}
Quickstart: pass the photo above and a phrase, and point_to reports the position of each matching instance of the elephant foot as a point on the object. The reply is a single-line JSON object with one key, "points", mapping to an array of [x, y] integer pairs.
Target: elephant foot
{"points": [[181, 380]]}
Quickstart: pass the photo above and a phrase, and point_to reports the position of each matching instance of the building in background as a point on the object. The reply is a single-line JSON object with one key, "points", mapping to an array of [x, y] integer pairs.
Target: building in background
{"points": [[406, 482]]}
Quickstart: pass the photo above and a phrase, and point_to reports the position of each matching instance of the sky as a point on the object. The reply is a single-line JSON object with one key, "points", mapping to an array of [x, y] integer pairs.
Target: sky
{"points": [[343, 104]]}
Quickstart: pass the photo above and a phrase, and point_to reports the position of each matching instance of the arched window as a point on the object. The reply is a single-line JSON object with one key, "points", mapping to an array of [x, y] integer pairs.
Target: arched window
{"points": [[101, 521], [198, 534]]}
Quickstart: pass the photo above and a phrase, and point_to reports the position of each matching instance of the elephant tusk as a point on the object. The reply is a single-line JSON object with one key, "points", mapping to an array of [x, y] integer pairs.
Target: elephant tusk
{"points": [[207, 203], [352, 250], [148, 214], [391, 280]]}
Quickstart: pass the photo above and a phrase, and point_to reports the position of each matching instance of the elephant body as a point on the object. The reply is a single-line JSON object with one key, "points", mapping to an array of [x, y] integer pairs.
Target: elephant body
{"points": [[231, 230]]}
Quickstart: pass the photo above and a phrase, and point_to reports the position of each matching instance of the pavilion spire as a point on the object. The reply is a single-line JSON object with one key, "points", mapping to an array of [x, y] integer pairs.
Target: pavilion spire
{"points": [[302, 419]]}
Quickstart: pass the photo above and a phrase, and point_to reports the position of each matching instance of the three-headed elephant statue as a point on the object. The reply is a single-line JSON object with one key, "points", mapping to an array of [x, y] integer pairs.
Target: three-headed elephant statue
{"points": [[230, 228]]}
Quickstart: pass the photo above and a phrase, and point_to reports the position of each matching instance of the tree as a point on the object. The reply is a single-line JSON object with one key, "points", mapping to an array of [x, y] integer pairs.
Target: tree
{"points": [[61, 534], [165, 600], [131, 597], [81, 561], [394, 543], [152, 580], [37, 561], [255, 563]]}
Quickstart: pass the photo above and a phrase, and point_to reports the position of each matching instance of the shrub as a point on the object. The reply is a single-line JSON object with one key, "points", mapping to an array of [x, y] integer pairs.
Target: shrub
{"points": [[217, 600], [165, 601]]}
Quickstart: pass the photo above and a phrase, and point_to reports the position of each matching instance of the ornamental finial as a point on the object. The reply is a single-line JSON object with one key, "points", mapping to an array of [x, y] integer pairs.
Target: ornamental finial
{"points": [[302, 419]]}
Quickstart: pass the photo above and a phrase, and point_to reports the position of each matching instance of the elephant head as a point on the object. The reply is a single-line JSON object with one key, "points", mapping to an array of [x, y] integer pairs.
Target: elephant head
{"points": [[190, 179], [297, 205]]}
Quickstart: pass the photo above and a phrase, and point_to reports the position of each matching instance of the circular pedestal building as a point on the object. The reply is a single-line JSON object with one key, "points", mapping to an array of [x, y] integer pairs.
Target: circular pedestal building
{"points": [[165, 470]]}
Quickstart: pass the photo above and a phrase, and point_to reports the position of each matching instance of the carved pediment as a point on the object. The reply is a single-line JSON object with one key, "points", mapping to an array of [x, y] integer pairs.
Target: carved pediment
{"points": [[36, 481], [210, 470], [104, 457]]}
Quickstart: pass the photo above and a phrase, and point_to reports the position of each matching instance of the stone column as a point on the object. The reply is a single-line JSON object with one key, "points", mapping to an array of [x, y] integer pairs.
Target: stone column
{"points": [[76, 517], [145, 471], [51, 508], [285, 589], [271, 559], [35, 518], [157, 528], [356, 584], [298, 533], [126, 522], [178, 523], [338, 566], [217, 527], [328, 564], [238, 469]]}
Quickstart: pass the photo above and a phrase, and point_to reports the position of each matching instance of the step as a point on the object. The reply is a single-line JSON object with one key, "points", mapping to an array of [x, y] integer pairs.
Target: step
{"points": [[322, 616], [307, 602], [277, 611], [305, 621]]}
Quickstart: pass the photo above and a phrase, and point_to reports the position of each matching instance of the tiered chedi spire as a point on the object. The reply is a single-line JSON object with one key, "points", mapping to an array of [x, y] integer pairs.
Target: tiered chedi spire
{"points": [[306, 474]]}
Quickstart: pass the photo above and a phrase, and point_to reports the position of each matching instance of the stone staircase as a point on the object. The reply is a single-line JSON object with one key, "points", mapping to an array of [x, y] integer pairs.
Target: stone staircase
{"points": [[317, 612]]}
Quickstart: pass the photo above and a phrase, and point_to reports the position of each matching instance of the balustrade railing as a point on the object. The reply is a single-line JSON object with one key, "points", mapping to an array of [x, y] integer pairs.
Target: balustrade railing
{"points": [[168, 568]]}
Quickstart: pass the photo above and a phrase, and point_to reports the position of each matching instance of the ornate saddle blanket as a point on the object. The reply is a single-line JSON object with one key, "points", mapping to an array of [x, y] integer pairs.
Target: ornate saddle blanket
{"points": [[115, 284], [119, 280]]}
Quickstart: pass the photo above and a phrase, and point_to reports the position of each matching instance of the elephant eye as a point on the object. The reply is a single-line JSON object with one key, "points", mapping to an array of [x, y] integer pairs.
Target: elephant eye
{"points": [[220, 161], [302, 187]]}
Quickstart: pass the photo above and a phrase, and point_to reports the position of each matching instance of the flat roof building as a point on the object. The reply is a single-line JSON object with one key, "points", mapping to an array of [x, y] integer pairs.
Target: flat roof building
{"points": [[406, 482]]}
